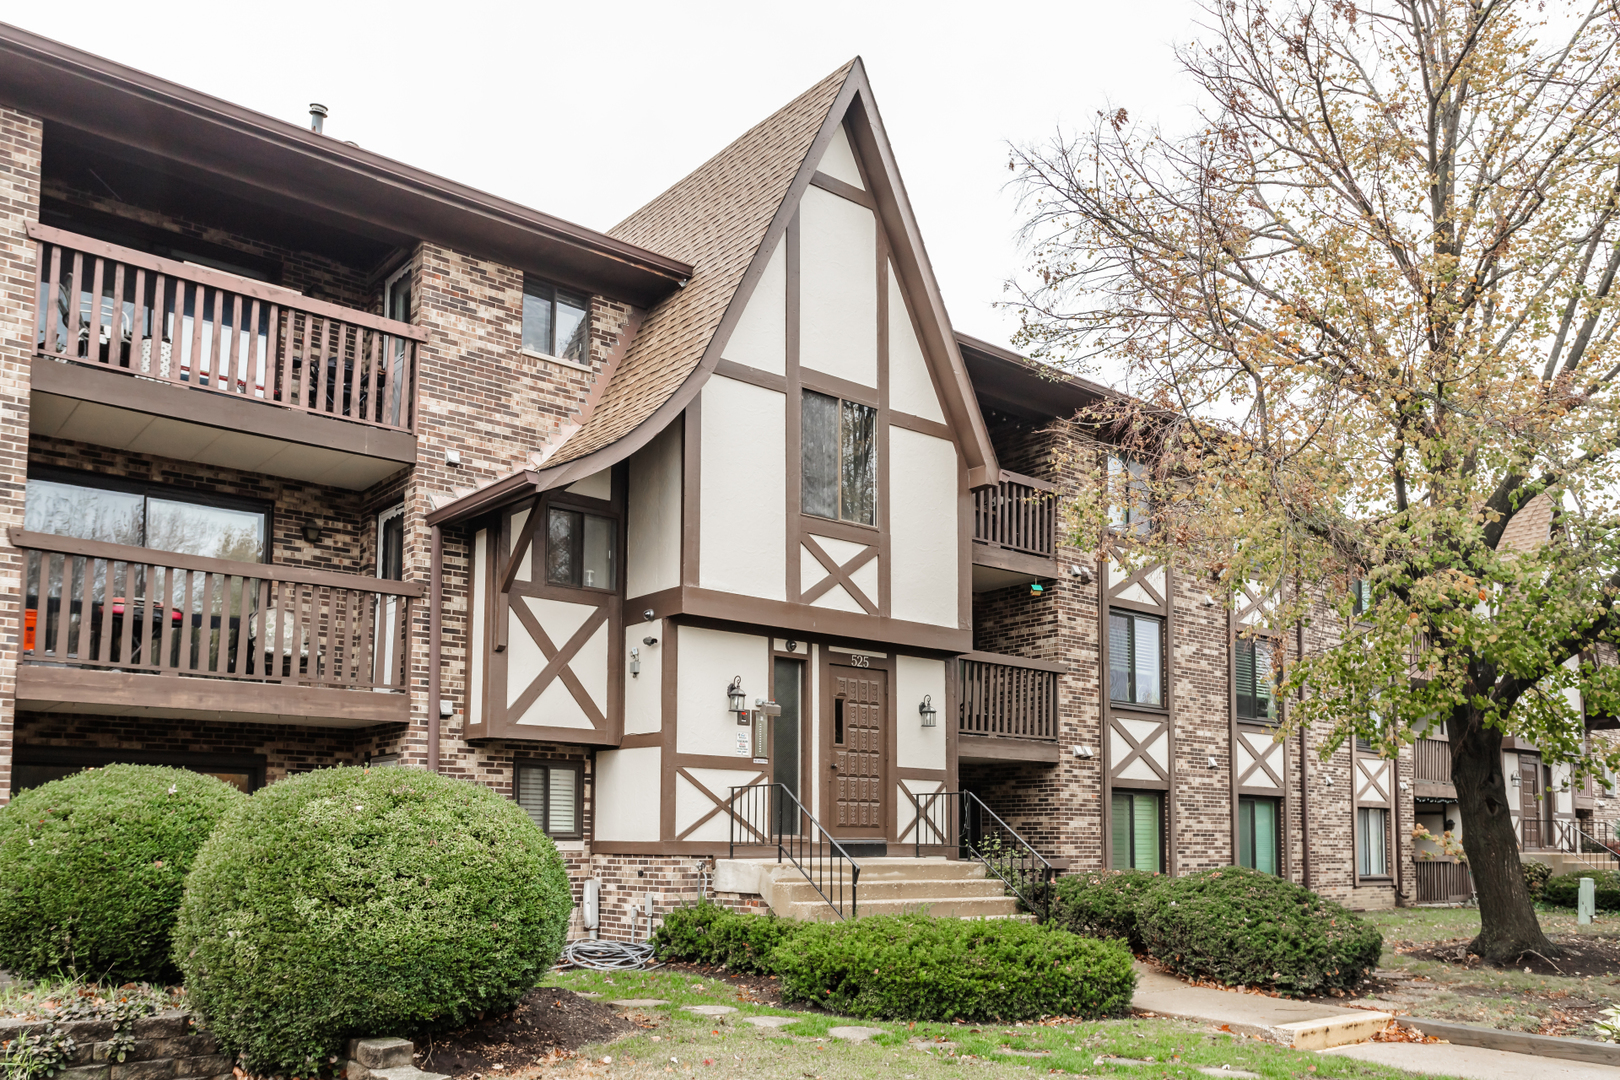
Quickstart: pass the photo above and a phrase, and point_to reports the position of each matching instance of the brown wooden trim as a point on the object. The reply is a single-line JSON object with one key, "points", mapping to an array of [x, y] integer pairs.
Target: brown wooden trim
{"points": [[839, 574], [843, 190], [720, 805], [1016, 562], [668, 704], [118, 389], [730, 369], [803, 619], [641, 740], [991, 748], [832, 385], [713, 761], [852, 531], [571, 736], [920, 424], [899, 774], [1016, 661], [525, 539], [885, 477], [718, 848], [48, 688], [96, 549], [691, 486], [793, 449]]}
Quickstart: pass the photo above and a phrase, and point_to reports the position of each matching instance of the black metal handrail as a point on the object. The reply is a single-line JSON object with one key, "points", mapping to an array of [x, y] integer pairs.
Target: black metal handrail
{"points": [[771, 816], [959, 820], [1587, 848]]}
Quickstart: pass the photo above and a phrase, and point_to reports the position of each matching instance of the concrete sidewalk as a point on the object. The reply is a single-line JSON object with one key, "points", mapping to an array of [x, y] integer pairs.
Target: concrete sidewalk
{"points": [[1471, 1062], [1299, 1024]]}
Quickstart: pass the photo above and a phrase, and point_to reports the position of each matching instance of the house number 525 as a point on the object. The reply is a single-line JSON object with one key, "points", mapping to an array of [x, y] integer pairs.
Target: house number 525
{"points": [[857, 660]]}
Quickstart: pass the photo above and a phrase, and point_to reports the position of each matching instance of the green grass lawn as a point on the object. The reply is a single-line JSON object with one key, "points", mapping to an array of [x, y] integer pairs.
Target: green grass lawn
{"points": [[1509, 999], [684, 1043]]}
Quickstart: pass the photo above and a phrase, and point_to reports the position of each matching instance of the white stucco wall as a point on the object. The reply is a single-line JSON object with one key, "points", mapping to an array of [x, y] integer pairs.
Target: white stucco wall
{"points": [[917, 747], [708, 660], [839, 160], [838, 287], [653, 520], [760, 336], [556, 706], [598, 485], [743, 514], [911, 389], [627, 796], [643, 693], [923, 519]]}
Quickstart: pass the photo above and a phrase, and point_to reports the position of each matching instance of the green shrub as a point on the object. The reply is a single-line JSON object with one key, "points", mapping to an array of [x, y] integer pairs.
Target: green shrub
{"points": [[92, 868], [351, 902], [915, 967], [1245, 928], [1565, 890], [706, 933], [1103, 903], [1535, 877]]}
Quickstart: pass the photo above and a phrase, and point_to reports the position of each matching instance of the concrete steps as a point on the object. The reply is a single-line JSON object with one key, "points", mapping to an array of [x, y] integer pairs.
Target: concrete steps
{"points": [[888, 886]]}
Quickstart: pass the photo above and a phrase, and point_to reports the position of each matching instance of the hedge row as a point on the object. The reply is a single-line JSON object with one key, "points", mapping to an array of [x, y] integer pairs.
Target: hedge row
{"points": [[1565, 890], [1235, 926], [912, 967]]}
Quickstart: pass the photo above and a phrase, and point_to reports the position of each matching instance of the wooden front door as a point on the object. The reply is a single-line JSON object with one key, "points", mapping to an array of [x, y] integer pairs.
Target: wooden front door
{"points": [[1529, 805], [857, 778]]}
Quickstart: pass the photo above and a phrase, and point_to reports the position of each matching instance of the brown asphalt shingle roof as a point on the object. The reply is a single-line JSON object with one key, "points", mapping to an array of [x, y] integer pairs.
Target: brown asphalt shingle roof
{"points": [[715, 219]]}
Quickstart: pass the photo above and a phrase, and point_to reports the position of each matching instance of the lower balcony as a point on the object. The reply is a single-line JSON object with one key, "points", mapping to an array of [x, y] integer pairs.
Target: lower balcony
{"points": [[1007, 708], [131, 631]]}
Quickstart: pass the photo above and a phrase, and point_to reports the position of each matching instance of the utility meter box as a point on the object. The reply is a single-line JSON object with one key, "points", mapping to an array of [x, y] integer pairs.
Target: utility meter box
{"points": [[591, 904]]}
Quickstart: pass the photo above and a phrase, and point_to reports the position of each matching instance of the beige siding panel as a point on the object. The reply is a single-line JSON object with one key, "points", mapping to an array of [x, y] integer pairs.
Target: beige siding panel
{"points": [[839, 160], [598, 485], [653, 548], [743, 546], [626, 797], [923, 522], [760, 338], [917, 747], [838, 287], [911, 389], [709, 661], [644, 693]]}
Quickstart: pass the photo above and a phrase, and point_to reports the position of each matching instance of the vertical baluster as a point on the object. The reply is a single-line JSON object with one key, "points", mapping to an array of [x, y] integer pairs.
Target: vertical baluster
{"points": [[137, 315], [377, 354], [317, 356], [93, 345], [352, 381], [115, 330], [255, 355], [160, 326], [108, 591], [64, 607], [194, 356], [407, 385], [76, 327], [53, 285], [126, 628], [365, 641], [285, 348]]}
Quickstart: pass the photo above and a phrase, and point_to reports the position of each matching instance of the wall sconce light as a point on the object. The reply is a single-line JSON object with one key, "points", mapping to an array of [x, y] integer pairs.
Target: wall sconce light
{"points": [[1403, 785], [649, 641], [1083, 751], [1328, 780], [736, 700], [1209, 601], [635, 662], [927, 711], [1514, 779], [312, 532]]}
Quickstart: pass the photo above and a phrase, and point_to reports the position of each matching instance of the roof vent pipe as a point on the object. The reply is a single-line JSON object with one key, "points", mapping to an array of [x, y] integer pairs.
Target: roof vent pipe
{"points": [[317, 117]]}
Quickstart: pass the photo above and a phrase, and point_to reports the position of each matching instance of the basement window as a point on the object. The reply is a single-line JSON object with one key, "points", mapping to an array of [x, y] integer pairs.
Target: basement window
{"points": [[553, 795], [556, 323]]}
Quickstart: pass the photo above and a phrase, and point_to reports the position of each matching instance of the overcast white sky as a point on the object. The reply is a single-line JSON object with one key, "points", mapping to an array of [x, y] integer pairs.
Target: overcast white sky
{"points": [[587, 110]]}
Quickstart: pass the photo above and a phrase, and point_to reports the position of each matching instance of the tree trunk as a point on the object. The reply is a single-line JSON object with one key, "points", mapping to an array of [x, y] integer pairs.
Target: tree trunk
{"points": [[1508, 925]]}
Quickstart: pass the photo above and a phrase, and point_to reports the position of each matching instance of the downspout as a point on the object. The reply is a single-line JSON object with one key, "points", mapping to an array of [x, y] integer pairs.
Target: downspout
{"points": [[435, 587]]}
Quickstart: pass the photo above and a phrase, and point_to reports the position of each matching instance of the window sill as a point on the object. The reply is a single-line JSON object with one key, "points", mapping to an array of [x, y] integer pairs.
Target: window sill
{"points": [[1131, 706], [813, 519], [559, 361]]}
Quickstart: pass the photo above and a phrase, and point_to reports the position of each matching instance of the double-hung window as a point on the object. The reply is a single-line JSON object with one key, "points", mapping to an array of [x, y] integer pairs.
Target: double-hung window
{"points": [[1135, 658], [551, 793], [556, 323], [1256, 702], [579, 549], [838, 454], [1130, 500], [1257, 833], [1138, 830]]}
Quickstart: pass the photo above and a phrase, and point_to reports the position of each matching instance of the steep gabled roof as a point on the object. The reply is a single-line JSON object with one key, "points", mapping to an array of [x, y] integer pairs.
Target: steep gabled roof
{"points": [[725, 219]]}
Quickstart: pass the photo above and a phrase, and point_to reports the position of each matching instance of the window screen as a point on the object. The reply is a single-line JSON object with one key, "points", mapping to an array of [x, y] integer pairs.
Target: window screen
{"points": [[141, 517], [1138, 829], [1135, 658], [1257, 834], [838, 458], [551, 795], [1255, 699]]}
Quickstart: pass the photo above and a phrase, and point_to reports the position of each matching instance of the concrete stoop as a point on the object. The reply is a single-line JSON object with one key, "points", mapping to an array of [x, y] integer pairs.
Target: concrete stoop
{"points": [[384, 1059], [888, 886]]}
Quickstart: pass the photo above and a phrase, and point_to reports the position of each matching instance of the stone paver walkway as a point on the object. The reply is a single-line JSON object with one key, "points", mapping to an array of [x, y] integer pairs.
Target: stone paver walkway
{"points": [[1471, 1062]]}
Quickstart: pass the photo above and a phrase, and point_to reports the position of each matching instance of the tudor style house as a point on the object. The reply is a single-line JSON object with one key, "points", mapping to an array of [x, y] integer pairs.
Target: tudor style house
{"points": [[697, 538]]}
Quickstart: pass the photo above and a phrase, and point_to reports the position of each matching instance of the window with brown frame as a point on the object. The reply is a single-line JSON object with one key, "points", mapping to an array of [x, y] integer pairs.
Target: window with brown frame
{"points": [[553, 794], [579, 549], [556, 322], [838, 458]]}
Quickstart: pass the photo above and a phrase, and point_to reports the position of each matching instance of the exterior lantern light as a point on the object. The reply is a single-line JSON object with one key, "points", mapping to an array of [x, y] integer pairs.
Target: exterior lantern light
{"points": [[927, 711], [736, 700], [1514, 779]]}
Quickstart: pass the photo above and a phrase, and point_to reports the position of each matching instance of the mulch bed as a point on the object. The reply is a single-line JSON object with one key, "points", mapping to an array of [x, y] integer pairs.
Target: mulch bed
{"points": [[1582, 956], [545, 1025]]}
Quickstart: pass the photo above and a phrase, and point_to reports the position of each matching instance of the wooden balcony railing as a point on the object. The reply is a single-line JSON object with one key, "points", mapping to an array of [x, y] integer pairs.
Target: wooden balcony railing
{"points": [[1019, 513], [1008, 696], [1443, 881], [193, 326], [1432, 761], [93, 605]]}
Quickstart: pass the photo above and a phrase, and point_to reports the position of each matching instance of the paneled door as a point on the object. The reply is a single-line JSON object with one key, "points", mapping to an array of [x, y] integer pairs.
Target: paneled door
{"points": [[856, 778], [1529, 805]]}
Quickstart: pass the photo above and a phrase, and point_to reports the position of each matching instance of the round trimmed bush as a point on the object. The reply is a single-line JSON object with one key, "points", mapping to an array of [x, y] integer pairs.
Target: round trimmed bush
{"points": [[353, 902], [1103, 903], [1244, 928], [1565, 890], [92, 868], [916, 967]]}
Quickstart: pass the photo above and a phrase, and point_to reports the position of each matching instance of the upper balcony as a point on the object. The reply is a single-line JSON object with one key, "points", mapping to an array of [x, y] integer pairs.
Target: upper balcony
{"points": [[184, 361], [1014, 532], [1007, 708]]}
